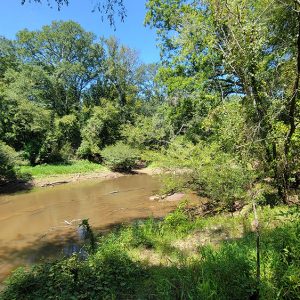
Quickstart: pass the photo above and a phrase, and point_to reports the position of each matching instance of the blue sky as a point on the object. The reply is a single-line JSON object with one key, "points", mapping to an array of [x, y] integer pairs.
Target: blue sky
{"points": [[132, 32]]}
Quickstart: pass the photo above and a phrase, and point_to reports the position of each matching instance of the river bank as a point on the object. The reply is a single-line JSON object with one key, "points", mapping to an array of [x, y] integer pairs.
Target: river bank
{"points": [[104, 174], [53, 180], [49, 176]]}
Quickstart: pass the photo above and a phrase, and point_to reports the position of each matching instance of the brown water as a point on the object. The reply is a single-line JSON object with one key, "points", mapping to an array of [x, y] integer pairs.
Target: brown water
{"points": [[42, 223]]}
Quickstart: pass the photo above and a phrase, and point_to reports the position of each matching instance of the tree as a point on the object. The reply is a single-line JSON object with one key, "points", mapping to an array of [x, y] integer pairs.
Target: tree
{"points": [[7, 162], [121, 66], [101, 129], [23, 126], [66, 57], [8, 56], [234, 48]]}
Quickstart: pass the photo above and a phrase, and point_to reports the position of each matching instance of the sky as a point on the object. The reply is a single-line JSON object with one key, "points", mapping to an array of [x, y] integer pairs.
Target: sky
{"points": [[131, 32]]}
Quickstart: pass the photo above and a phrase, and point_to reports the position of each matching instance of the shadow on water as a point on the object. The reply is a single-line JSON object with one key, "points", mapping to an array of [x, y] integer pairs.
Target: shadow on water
{"points": [[22, 184], [52, 246]]}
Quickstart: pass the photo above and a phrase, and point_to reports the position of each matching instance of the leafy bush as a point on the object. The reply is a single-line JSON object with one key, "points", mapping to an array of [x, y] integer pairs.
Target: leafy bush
{"points": [[223, 178], [177, 221], [101, 129], [174, 182], [210, 170], [109, 274], [120, 157], [147, 133], [24, 126], [8, 158], [61, 140]]}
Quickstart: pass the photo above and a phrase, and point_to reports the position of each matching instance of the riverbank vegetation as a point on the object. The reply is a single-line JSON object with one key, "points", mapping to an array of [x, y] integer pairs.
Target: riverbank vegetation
{"points": [[219, 114], [181, 257], [72, 167]]}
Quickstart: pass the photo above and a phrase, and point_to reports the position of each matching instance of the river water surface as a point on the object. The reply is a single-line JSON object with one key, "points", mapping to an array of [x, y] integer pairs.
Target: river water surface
{"points": [[41, 224]]}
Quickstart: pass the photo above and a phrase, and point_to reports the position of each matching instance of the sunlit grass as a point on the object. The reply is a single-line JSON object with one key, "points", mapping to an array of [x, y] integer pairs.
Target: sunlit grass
{"points": [[80, 166]]}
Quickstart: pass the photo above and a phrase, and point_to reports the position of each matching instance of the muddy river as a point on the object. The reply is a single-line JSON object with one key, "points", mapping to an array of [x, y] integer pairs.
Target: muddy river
{"points": [[42, 223]]}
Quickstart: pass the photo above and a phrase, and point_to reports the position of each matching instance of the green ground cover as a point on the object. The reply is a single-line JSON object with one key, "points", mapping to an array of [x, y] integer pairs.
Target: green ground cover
{"points": [[79, 166]]}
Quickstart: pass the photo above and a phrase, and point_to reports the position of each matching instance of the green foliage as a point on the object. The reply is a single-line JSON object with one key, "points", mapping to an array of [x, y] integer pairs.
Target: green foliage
{"points": [[286, 261], [141, 236], [210, 47], [223, 178], [8, 160], [100, 130], [89, 234], [120, 157], [109, 274], [226, 124], [7, 56], [209, 170], [61, 140], [148, 132], [121, 66], [178, 220], [173, 182], [68, 60], [73, 167], [24, 126]]}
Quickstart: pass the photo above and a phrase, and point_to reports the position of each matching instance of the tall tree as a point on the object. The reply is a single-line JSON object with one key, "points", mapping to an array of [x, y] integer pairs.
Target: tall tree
{"points": [[121, 66], [68, 57]]}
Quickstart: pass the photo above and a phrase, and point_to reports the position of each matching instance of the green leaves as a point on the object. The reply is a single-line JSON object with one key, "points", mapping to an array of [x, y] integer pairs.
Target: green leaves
{"points": [[120, 157], [8, 158], [67, 57], [100, 130]]}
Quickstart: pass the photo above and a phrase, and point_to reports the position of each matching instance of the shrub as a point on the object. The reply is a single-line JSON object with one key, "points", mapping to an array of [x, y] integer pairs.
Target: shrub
{"points": [[177, 221], [8, 158], [147, 133], [109, 274], [61, 141], [120, 157], [211, 171]]}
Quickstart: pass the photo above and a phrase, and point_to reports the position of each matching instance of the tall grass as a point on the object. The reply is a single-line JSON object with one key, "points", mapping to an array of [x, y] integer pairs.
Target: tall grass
{"points": [[80, 166]]}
